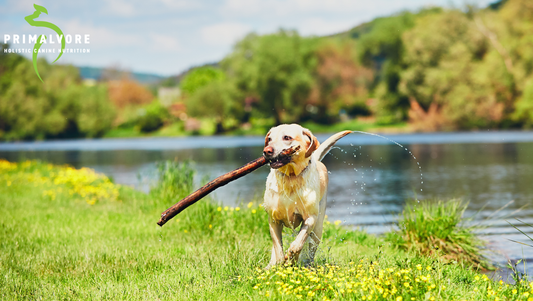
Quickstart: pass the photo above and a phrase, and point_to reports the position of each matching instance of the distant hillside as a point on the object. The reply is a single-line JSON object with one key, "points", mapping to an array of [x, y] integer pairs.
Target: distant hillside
{"points": [[96, 73]]}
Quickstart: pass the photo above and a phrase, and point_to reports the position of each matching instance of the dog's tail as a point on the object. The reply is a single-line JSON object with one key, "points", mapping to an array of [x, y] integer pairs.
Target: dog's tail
{"points": [[326, 146]]}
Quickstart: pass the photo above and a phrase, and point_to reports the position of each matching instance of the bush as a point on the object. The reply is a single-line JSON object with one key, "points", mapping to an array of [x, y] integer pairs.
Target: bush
{"points": [[439, 228], [153, 117]]}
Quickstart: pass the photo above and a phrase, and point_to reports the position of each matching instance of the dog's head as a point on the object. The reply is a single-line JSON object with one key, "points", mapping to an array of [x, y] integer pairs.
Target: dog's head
{"points": [[287, 136]]}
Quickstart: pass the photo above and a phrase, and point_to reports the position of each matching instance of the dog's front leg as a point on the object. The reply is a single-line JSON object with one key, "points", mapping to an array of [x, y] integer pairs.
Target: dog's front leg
{"points": [[276, 228], [297, 245]]}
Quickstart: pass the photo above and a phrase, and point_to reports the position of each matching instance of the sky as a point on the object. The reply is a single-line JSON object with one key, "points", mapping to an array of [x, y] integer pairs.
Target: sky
{"points": [[166, 37]]}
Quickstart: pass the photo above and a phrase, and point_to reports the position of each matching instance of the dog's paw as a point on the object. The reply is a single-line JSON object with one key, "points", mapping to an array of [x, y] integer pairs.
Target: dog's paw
{"points": [[292, 254]]}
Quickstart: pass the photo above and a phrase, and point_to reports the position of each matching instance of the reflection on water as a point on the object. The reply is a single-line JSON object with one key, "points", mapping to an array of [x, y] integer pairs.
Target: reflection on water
{"points": [[370, 179]]}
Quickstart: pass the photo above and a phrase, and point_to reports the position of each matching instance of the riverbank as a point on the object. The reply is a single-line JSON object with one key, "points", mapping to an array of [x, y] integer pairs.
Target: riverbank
{"points": [[73, 234], [207, 127]]}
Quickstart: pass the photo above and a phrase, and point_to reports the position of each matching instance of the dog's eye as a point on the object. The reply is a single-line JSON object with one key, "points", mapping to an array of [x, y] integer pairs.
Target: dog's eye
{"points": [[269, 139], [287, 138]]}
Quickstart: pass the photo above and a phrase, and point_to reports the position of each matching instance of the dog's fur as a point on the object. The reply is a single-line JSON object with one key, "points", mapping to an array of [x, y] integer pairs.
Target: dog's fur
{"points": [[296, 188]]}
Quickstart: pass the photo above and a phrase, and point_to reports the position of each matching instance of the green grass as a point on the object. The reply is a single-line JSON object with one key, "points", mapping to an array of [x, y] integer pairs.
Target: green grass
{"points": [[55, 245], [436, 227]]}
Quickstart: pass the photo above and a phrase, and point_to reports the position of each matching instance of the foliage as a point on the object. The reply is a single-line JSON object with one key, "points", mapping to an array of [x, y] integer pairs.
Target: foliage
{"points": [[275, 69], [124, 92], [439, 228], [382, 49], [58, 108], [218, 99], [457, 70], [152, 117], [200, 77], [340, 83], [524, 106]]}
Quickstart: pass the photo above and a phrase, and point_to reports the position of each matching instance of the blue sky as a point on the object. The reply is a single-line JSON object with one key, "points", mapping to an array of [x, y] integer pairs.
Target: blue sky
{"points": [[166, 37]]}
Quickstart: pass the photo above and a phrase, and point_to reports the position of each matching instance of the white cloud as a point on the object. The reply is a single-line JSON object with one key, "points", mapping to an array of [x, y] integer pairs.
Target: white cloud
{"points": [[223, 34], [102, 36], [119, 8], [16, 6], [164, 43]]}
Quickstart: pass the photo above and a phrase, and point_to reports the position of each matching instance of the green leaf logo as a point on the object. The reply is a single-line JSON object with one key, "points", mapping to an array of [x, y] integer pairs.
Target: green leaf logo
{"points": [[31, 20]]}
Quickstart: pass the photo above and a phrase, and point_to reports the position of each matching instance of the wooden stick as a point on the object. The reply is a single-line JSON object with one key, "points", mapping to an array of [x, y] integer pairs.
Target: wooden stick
{"points": [[214, 184]]}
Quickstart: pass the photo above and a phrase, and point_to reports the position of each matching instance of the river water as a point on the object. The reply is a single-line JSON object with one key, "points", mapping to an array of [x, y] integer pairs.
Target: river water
{"points": [[370, 177]]}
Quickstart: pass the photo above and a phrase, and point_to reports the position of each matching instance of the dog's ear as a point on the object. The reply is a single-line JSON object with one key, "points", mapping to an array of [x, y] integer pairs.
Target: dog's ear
{"points": [[266, 138], [313, 144]]}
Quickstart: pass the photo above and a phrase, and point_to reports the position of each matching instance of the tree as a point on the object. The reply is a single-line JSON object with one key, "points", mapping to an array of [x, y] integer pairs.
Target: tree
{"points": [[340, 82], [60, 107], [458, 70], [277, 70], [200, 77], [219, 100]]}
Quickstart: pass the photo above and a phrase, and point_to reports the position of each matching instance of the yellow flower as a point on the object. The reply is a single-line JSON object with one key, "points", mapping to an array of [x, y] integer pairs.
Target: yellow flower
{"points": [[428, 268], [399, 298], [250, 205], [419, 267], [185, 231], [238, 208], [514, 292], [254, 211], [337, 222], [226, 208], [219, 209], [210, 226]]}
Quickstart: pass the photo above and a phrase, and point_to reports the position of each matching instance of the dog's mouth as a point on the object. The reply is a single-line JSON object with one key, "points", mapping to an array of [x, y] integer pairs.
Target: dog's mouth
{"points": [[279, 161], [283, 158]]}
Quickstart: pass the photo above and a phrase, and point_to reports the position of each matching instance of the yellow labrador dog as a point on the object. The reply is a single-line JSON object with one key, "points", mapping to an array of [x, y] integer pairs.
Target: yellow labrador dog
{"points": [[296, 188]]}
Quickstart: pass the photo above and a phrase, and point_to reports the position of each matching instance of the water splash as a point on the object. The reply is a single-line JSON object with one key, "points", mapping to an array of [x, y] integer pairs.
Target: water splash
{"points": [[398, 144]]}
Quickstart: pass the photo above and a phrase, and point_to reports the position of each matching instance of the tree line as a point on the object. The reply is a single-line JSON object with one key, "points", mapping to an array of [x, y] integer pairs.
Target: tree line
{"points": [[439, 69]]}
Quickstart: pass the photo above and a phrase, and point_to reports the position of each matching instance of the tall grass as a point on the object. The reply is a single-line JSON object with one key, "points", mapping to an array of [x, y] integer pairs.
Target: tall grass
{"points": [[439, 228]]}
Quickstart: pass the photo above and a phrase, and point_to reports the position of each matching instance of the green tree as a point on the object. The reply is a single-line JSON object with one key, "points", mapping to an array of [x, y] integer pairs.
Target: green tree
{"points": [[60, 107], [276, 69], [200, 77], [450, 63], [382, 49], [219, 100]]}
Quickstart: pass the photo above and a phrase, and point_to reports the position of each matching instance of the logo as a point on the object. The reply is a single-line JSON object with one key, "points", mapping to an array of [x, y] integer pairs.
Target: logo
{"points": [[42, 38]]}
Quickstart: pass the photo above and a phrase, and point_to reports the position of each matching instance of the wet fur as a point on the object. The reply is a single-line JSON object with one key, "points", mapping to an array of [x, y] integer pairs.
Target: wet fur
{"points": [[295, 194]]}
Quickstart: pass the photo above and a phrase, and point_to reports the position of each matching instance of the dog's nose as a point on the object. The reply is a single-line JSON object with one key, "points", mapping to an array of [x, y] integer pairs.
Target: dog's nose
{"points": [[268, 151]]}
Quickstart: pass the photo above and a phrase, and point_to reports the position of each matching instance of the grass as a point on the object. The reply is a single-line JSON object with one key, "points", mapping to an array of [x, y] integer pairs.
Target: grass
{"points": [[439, 228], [56, 242]]}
